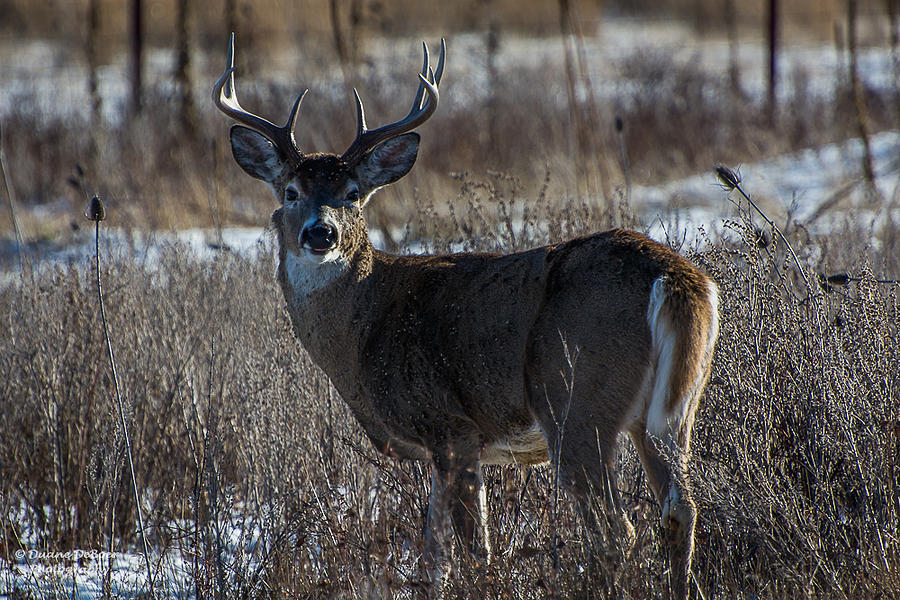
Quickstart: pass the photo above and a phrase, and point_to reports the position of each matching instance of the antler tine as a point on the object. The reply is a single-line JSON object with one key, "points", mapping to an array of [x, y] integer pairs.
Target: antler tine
{"points": [[225, 98], [432, 76], [420, 92], [424, 104], [439, 72], [360, 115]]}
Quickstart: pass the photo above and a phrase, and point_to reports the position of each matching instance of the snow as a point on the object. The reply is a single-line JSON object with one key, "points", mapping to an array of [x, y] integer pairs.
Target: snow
{"points": [[140, 246], [50, 80], [83, 575], [796, 185], [88, 574]]}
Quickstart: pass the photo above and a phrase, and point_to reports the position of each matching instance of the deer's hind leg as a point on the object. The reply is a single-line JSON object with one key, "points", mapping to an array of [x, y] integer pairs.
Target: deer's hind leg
{"points": [[581, 405], [681, 356], [664, 458], [582, 449], [662, 441]]}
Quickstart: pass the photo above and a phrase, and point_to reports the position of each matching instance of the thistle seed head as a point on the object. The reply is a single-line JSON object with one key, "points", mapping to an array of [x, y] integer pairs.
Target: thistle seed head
{"points": [[96, 210], [842, 279], [827, 282], [728, 178]]}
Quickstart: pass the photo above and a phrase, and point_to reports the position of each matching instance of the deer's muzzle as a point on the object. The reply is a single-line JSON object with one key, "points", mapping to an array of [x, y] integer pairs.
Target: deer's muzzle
{"points": [[319, 237]]}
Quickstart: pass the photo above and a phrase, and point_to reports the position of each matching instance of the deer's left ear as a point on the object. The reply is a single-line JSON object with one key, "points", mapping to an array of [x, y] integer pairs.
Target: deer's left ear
{"points": [[389, 161]]}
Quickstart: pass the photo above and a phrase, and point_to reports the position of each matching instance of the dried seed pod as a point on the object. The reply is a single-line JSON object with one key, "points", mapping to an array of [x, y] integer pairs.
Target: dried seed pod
{"points": [[96, 210], [729, 178], [838, 279], [760, 237]]}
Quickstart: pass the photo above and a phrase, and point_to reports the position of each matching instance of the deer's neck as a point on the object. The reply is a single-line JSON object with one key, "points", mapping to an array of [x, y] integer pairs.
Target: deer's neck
{"points": [[332, 315], [327, 302]]}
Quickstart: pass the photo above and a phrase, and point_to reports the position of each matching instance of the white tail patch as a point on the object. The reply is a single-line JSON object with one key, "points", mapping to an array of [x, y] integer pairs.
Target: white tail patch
{"points": [[661, 421], [664, 344], [711, 334], [696, 388], [714, 322]]}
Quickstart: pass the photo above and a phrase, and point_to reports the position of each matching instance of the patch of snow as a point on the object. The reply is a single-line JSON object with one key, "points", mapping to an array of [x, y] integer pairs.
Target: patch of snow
{"points": [[91, 574], [795, 185]]}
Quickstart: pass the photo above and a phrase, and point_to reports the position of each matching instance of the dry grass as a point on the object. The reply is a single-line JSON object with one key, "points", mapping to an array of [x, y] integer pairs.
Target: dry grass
{"points": [[797, 445]]}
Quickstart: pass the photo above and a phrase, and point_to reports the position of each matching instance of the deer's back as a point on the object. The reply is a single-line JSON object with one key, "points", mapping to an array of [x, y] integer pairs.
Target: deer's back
{"points": [[470, 341]]}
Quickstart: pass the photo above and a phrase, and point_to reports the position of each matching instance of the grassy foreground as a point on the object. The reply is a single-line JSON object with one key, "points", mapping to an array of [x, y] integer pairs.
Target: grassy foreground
{"points": [[251, 470]]}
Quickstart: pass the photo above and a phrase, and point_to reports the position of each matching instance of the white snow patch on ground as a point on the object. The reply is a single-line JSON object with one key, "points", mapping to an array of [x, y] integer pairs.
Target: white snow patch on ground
{"points": [[796, 184], [91, 574], [88, 574]]}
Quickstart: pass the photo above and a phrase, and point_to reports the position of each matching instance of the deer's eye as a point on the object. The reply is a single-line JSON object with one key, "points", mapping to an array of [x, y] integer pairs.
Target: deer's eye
{"points": [[353, 196], [291, 195]]}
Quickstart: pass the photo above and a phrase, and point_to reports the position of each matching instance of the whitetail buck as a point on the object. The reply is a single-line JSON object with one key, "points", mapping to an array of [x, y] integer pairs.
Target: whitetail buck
{"points": [[461, 360]]}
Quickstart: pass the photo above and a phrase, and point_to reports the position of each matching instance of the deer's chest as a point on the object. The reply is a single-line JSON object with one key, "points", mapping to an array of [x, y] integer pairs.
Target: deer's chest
{"points": [[321, 308]]}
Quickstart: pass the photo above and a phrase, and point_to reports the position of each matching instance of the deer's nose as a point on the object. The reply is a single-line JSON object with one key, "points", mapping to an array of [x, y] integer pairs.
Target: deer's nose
{"points": [[320, 236]]}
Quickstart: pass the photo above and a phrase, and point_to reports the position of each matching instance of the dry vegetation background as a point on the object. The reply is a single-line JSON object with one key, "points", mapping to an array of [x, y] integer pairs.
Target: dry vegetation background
{"points": [[254, 476]]}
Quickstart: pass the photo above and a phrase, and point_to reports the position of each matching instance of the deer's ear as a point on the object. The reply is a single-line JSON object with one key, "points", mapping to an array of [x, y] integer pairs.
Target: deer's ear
{"points": [[256, 155], [389, 161]]}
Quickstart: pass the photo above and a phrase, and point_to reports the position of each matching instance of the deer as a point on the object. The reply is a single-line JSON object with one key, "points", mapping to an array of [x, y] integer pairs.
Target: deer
{"points": [[457, 359]]}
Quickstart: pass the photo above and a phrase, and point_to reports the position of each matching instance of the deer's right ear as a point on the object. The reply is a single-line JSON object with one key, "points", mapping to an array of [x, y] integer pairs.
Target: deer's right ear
{"points": [[256, 155]]}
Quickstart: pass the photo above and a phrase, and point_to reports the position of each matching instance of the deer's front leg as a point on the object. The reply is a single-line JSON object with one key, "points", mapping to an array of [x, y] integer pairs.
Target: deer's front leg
{"points": [[457, 492]]}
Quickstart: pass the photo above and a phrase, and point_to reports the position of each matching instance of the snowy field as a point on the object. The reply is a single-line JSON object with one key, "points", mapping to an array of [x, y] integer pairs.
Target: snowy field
{"points": [[820, 188], [52, 83], [51, 80], [90, 574]]}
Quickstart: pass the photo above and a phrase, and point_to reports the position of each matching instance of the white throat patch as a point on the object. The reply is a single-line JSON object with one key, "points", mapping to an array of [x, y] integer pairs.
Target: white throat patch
{"points": [[308, 274]]}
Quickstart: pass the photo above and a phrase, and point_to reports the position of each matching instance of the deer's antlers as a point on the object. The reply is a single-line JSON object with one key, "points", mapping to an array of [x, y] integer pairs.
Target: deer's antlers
{"points": [[225, 98], [423, 106]]}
